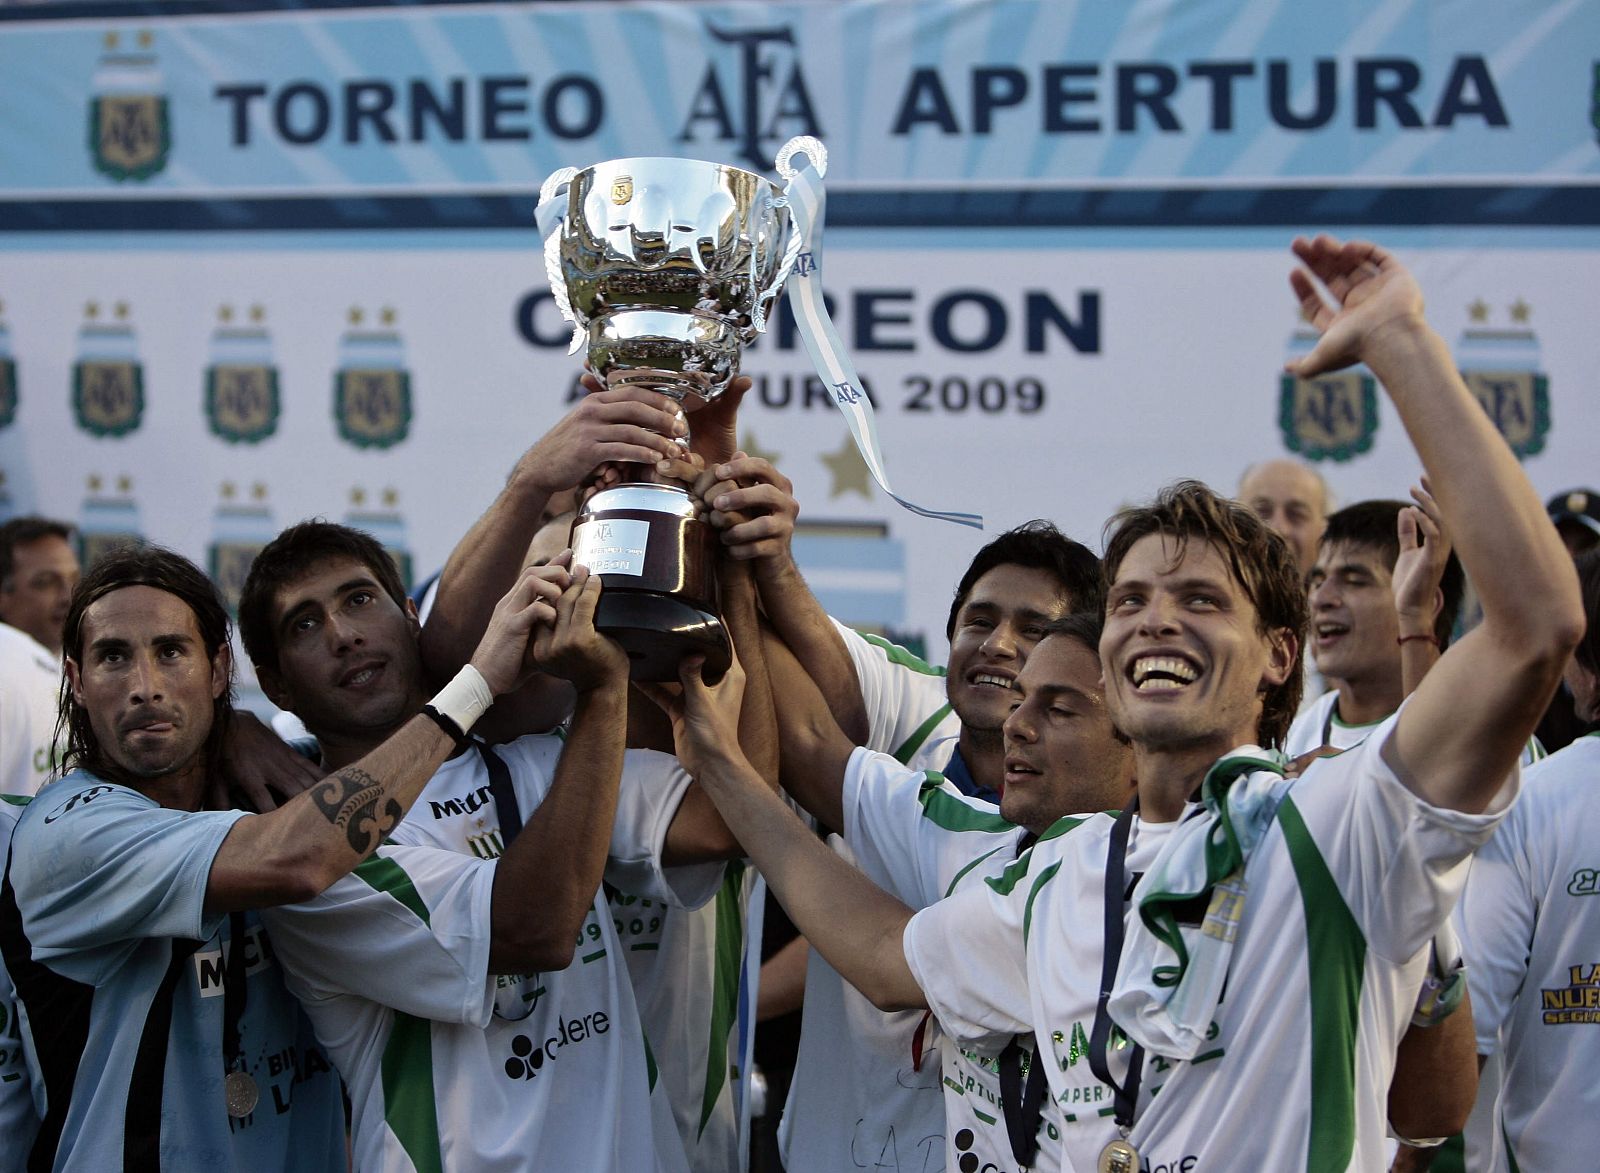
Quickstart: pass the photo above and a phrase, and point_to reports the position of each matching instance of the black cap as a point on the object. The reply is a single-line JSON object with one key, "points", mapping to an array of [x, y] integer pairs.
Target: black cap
{"points": [[1580, 506]]}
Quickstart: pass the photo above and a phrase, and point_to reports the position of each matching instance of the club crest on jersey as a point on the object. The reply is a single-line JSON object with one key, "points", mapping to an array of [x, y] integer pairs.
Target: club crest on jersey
{"points": [[1500, 365], [130, 129], [372, 388]]}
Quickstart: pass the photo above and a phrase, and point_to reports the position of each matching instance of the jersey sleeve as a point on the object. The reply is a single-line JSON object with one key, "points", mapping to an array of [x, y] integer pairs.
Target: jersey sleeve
{"points": [[968, 954], [1498, 914], [410, 929], [98, 868], [903, 695], [910, 833], [653, 785], [1398, 860]]}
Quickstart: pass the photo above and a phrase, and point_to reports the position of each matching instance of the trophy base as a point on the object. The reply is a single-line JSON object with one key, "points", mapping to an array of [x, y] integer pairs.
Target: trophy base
{"points": [[657, 631]]}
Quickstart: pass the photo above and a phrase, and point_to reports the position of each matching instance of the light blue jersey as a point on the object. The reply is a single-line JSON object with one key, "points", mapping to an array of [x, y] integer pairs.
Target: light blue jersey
{"points": [[121, 970], [19, 1110]]}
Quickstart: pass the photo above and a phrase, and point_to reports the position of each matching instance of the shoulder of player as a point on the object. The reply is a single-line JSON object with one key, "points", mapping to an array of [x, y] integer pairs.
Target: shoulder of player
{"points": [[70, 801], [1075, 840], [877, 649]]}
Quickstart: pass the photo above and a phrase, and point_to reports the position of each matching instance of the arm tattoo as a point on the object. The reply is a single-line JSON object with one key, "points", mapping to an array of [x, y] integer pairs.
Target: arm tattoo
{"points": [[351, 799]]}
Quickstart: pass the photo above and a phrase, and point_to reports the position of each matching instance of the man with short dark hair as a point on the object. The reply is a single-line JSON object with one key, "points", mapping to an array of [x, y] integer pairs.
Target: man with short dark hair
{"points": [[38, 570], [335, 642], [1277, 929], [164, 1036]]}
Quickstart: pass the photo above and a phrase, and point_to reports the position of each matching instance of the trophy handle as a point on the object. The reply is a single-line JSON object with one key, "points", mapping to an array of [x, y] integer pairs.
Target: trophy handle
{"points": [[551, 191], [817, 155]]}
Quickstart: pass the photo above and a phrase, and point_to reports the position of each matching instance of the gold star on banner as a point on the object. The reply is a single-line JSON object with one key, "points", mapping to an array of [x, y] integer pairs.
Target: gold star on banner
{"points": [[387, 316], [355, 315], [111, 40], [1520, 311], [391, 498], [752, 448], [146, 39], [228, 490], [1478, 311], [258, 313], [358, 496], [92, 310], [225, 314], [258, 491], [94, 482], [124, 484], [121, 310], [848, 470]]}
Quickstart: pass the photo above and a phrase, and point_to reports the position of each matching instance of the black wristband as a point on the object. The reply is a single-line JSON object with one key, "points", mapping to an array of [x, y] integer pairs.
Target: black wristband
{"points": [[451, 729]]}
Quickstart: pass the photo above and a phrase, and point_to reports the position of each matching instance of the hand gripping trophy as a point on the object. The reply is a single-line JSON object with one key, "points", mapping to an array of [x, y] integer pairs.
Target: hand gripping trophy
{"points": [[666, 268]]}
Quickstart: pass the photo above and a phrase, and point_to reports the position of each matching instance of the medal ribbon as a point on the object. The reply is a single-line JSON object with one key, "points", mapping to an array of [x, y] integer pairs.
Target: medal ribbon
{"points": [[235, 995], [1125, 1095]]}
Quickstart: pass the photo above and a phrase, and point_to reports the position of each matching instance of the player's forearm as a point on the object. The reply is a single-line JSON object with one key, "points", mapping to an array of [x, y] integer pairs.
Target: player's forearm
{"points": [[815, 886], [544, 884], [1506, 543], [799, 618], [293, 853], [813, 750], [758, 730], [783, 981], [1435, 1078], [479, 570]]}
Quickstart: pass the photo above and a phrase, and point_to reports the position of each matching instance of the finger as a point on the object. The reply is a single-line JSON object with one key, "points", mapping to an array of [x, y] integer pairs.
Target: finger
{"points": [[753, 499], [1406, 528], [757, 529], [255, 794], [588, 598], [749, 470], [670, 702]]}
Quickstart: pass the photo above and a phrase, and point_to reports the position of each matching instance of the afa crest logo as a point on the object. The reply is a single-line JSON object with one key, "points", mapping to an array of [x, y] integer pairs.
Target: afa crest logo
{"points": [[108, 378], [372, 388], [241, 529], [130, 129], [1501, 369], [241, 392], [110, 518], [1328, 417]]}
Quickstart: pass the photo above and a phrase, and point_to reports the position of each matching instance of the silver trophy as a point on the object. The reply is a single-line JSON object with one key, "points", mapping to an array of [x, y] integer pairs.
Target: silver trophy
{"points": [[666, 268]]}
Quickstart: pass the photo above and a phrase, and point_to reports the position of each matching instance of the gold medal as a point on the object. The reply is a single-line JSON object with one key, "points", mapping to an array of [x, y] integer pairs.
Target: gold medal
{"points": [[241, 1094], [1119, 1157]]}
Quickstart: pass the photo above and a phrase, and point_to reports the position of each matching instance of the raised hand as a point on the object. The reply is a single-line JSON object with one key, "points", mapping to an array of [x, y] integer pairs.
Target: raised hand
{"points": [[753, 504], [1419, 569], [1370, 290], [567, 644], [503, 654], [714, 434], [632, 424], [705, 717]]}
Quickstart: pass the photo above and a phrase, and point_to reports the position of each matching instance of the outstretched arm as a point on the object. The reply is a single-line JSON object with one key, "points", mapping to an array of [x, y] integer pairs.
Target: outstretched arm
{"points": [[1465, 726], [814, 885], [544, 884], [625, 424], [294, 852], [753, 505]]}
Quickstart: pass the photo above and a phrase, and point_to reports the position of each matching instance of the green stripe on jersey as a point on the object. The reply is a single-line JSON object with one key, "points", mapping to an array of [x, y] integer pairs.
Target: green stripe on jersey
{"points": [[1045, 877], [944, 809], [1008, 879], [384, 875], [959, 876], [408, 1100], [919, 735], [896, 654], [728, 954], [1336, 952]]}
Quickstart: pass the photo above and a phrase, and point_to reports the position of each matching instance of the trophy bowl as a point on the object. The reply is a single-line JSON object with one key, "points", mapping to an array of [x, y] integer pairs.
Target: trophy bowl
{"points": [[666, 268]]}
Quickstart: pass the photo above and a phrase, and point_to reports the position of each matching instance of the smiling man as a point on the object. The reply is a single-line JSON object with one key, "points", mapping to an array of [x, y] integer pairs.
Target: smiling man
{"points": [[1275, 933], [326, 621]]}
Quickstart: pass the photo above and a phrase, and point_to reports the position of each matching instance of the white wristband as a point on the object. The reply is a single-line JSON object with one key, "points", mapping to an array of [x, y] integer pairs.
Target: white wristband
{"points": [[466, 698]]}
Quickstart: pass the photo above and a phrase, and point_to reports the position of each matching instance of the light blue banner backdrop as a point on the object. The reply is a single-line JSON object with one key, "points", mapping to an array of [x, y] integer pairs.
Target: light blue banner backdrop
{"points": [[263, 262]]}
